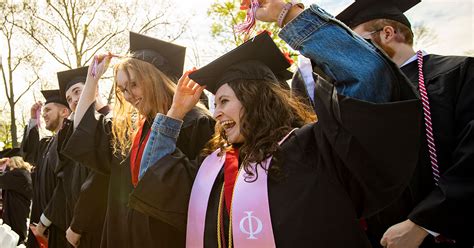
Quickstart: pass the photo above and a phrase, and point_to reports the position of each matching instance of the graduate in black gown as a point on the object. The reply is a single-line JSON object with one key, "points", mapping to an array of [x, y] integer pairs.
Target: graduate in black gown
{"points": [[17, 192], [144, 85], [85, 191], [354, 161], [443, 211], [42, 154]]}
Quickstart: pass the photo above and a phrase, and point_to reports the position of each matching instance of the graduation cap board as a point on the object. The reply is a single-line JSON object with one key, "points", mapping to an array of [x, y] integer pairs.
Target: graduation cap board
{"points": [[10, 152], [166, 56], [67, 79], [259, 58], [366, 10], [54, 96]]}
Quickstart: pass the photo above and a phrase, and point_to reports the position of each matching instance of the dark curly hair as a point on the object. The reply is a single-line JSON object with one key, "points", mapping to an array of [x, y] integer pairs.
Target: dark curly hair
{"points": [[269, 113]]}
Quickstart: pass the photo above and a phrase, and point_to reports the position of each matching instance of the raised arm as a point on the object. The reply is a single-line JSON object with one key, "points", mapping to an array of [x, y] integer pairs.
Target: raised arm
{"points": [[356, 67], [30, 144], [165, 129], [89, 93]]}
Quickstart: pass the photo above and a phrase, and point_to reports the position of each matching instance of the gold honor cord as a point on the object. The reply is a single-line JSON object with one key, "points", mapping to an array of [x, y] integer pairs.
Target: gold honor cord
{"points": [[219, 215], [219, 218]]}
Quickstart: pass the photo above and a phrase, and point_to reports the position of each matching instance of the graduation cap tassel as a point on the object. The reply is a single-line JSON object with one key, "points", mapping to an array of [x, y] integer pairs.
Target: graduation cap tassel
{"points": [[249, 22], [96, 63], [94, 66]]}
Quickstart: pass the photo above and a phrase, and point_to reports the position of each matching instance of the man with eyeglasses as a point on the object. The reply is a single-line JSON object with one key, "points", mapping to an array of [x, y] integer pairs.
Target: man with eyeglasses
{"points": [[439, 203]]}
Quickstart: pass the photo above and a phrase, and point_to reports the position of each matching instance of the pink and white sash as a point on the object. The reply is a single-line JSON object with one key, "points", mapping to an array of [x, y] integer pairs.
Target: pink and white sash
{"points": [[251, 220]]}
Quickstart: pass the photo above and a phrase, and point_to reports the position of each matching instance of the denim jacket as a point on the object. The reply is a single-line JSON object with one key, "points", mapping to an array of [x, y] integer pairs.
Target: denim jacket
{"points": [[356, 66], [358, 69], [162, 141]]}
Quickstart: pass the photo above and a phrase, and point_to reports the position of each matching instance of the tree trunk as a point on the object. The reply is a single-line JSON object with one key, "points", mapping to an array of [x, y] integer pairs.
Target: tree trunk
{"points": [[13, 127]]}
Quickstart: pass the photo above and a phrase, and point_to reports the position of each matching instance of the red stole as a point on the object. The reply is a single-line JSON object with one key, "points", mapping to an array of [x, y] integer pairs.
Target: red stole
{"points": [[137, 153], [231, 169]]}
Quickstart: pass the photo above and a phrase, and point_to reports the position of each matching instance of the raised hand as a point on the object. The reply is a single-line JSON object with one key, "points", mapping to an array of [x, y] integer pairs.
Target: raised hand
{"points": [[187, 95], [35, 108], [269, 10], [99, 65]]}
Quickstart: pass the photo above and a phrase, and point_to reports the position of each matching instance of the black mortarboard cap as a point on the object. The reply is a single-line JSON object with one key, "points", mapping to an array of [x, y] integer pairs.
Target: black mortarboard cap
{"points": [[54, 96], [284, 76], [166, 56], [366, 10], [259, 58], [10, 152], [69, 78]]}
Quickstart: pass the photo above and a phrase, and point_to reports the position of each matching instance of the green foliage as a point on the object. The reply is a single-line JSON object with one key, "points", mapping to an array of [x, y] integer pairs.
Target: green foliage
{"points": [[226, 14]]}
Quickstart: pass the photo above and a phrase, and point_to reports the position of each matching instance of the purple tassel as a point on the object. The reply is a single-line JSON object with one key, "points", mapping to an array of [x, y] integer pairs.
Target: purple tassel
{"points": [[94, 66]]}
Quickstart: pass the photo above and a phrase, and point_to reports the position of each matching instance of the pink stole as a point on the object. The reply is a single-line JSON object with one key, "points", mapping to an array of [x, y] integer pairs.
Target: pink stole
{"points": [[251, 220]]}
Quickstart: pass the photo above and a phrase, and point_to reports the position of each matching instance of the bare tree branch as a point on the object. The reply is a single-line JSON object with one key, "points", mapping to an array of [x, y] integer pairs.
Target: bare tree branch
{"points": [[54, 26], [46, 47], [5, 83], [103, 44], [57, 12], [27, 89]]}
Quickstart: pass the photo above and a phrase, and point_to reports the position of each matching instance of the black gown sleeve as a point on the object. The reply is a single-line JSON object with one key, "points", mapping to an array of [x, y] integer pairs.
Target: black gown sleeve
{"points": [[55, 210], [163, 192], [90, 144], [377, 144], [448, 209], [90, 208], [31, 146]]}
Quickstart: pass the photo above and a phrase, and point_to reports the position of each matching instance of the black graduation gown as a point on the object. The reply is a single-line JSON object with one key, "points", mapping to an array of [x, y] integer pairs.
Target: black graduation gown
{"points": [[43, 155], [446, 209], [85, 193], [17, 192], [90, 144], [352, 163]]}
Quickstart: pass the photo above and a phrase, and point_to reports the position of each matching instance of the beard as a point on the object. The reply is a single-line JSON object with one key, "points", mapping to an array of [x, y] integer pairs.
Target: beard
{"points": [[53, 123], [388, 50]]}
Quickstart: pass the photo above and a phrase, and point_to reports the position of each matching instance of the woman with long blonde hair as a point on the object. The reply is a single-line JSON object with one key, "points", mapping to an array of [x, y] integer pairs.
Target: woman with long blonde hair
{"points": [[17, 190], [144, 84]]}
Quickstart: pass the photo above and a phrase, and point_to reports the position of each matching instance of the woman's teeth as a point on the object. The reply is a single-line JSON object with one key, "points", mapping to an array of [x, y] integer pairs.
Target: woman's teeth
{"points": [[228, 124]]}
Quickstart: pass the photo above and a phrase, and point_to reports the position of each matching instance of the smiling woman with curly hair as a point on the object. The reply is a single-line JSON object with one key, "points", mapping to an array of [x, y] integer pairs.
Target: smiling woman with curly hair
{"points": [[272, 175]]}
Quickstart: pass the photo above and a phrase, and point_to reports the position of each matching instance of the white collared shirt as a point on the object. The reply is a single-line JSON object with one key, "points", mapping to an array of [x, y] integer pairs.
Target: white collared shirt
{"points": [[413, 58]]}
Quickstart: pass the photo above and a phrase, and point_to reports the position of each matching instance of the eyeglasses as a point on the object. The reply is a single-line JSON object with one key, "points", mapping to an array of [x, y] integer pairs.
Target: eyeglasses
{"points": [[368, 35]]}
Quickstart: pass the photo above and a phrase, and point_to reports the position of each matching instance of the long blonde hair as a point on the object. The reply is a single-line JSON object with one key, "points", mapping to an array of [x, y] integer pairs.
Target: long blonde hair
{"points": [[158, 92], [17, 162]]}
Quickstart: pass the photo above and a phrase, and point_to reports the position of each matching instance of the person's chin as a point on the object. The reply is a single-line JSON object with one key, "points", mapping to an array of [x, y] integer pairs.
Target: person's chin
{"points": [[234, 139]]}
